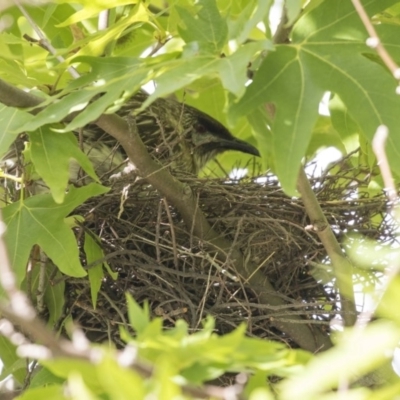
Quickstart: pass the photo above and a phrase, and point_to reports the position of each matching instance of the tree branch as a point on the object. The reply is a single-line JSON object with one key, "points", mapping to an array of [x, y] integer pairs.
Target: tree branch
{"points": [[342, 267]]}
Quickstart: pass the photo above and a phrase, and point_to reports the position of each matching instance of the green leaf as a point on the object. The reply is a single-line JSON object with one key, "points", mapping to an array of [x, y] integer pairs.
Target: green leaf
{"points": [[164, 374], [183, 72], [341, 119], [206, 28], [138, 317], [391, 297], [54, 297], [248, 17], [327, 53], [58, 110], [51, 392], [64, 367], [11, 120], [358, 352], [293, 8], [94, 252], [261, 393], [51, 153], [48, 17], [19, 57], [257, 382], [113, 78], [12, 364], [10, 71], [120, 383], [53, 292], [90, 9], [78, 389], [39, 220], [232, 70], [324, 135], [110, 78], [350, 133], [134, 43], [96, 43], [44, 377]]}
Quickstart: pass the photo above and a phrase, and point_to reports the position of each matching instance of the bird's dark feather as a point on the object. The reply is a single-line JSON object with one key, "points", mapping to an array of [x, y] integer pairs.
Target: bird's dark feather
{"points": [[177, 135]]}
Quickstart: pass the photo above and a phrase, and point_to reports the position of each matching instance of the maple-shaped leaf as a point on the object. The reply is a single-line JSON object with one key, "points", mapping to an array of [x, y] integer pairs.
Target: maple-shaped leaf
{"points": [[192, 66], [39, 220], [11, 119], [207, 27], [51, 153], [327, 53]]}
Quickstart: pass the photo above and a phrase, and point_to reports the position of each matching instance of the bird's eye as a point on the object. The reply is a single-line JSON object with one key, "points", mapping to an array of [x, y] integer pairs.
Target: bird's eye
{"points": [[200, 128]]}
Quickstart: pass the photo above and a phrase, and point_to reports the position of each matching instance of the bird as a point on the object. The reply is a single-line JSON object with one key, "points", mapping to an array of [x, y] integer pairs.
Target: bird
{"points": [[178, 136]]}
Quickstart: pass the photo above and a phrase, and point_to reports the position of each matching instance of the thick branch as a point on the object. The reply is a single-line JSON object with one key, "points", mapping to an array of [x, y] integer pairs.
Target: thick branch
{"points": [[14, 97], [181, 196]]}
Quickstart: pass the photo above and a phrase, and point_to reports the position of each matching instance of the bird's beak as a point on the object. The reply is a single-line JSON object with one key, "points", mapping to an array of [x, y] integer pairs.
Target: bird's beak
{"points": [[239, 145]]}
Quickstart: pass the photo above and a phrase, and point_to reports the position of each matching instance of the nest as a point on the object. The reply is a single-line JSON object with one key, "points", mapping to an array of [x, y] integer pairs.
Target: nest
{"points": [[160, 262]]}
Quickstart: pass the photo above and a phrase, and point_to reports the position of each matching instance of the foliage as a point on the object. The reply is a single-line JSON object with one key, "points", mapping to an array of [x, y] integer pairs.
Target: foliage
{"points": [[204, 52]]}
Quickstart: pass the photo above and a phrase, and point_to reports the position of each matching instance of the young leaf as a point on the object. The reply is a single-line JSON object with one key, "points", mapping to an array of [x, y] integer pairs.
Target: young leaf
{"points": [[118, 382], [138, 317], [51, 392], [358, 352]]}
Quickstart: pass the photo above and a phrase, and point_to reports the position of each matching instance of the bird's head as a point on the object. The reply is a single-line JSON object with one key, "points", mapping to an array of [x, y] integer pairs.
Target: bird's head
{"points": [[208, 138]]}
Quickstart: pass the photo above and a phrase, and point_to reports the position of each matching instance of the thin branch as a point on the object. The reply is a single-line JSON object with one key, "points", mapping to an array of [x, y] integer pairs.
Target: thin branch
{"points": [[374, 42], [283, 30], [41, 282], [43, 40], [102, 23], [378, 146]]}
